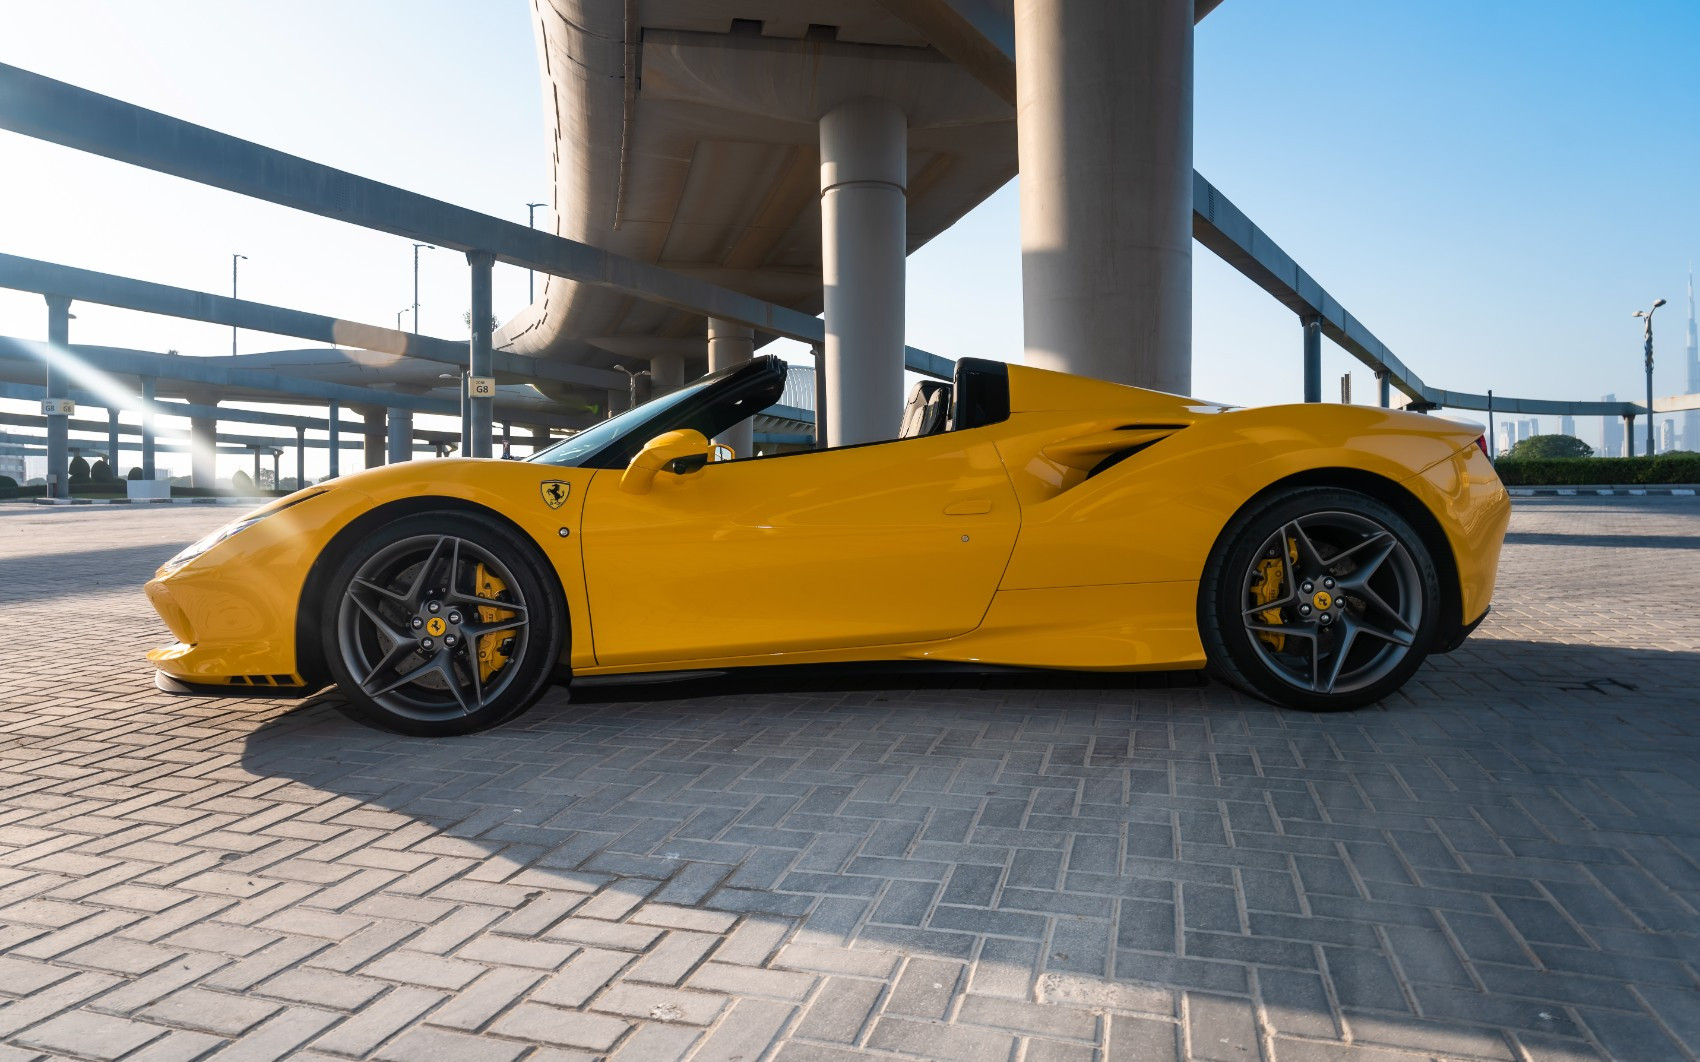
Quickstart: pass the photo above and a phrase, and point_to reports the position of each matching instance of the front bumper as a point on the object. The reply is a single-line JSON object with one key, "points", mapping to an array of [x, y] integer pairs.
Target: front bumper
{"points": [[233, 609]]}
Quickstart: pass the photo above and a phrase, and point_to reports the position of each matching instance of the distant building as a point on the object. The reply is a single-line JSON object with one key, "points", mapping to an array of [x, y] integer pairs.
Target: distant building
{"points": [[12, 465], [1567, 425], [1667, 435], [1611, 432], [1691, 419]]}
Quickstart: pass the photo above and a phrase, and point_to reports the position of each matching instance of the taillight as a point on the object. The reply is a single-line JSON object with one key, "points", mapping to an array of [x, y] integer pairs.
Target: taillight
{"points": [[1481, 444]]}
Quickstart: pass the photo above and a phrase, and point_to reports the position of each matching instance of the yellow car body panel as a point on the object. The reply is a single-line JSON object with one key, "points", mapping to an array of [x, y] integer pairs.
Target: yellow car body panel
{"points": [[1071, 534], [818, 550]]}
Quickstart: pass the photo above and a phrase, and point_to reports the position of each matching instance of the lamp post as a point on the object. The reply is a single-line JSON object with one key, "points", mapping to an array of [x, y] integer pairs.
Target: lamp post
{"points": [[233, 260], [428, 247], [398, 314], [530, 274], [1647, 334]]}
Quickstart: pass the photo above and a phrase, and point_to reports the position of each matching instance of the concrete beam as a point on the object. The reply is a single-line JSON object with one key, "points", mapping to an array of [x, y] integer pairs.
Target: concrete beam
{"points": [[213, 375], [105, 289], [61, 113]]}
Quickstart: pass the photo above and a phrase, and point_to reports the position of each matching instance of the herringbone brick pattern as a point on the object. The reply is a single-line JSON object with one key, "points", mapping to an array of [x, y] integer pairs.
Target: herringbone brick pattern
{"points": [[1498, 864]]}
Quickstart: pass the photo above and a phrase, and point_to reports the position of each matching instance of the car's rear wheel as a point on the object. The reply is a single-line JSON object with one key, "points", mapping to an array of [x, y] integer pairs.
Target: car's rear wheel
{"points": [[1319, 599], [442, 623]]}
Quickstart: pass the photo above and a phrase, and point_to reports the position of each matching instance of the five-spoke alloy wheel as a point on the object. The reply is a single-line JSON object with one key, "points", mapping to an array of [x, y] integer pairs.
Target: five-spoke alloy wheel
{"points": [[442, 623], [1319, 599]]}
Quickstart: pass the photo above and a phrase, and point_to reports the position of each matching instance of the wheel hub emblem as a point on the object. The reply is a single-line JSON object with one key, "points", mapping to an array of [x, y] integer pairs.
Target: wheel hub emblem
{"points": [[1323, 600], [435, 626]]}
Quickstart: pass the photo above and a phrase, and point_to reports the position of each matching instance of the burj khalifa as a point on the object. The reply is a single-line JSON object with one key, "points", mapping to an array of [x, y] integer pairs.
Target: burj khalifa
{"points": [[1691, 419]]}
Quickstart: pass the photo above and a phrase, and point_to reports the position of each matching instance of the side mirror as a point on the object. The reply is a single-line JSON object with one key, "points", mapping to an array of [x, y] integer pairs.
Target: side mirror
{"points": [[679, 452]]}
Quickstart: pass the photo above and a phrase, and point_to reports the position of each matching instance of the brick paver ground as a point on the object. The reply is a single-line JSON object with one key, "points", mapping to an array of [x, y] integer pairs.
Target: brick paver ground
{"points": [[1499, 864]]}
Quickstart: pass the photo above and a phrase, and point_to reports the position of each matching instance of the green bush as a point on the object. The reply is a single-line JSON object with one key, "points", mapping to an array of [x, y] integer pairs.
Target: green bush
{"points": [[79, 469], [135, 472], [1588, 471], [1544, 446], [8, 487], [242, 482], [100, 471]]}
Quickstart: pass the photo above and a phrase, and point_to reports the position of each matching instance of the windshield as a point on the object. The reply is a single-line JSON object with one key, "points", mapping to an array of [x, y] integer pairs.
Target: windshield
{"points": [[710, 404]]}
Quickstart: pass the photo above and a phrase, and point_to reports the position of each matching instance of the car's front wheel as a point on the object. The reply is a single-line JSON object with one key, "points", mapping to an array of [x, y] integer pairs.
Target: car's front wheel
{"points": [[1320, 599], [442, 623]]}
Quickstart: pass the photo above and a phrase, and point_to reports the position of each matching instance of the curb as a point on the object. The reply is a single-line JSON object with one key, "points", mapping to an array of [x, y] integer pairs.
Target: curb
{"points": [[139, 501], [1668, 491]]}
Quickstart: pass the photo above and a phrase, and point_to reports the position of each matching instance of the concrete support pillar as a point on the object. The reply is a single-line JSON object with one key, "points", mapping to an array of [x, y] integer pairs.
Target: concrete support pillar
{"points": [[147, 428], [277, 480], [480, 411], [300, 458], [112, 443], [1385, 386], [203, 450], [1312, 325], [372, 417], [820, 397], [864, 166], [666, 374], [731, 344], [400, 435], [332, 435], [1629, 434], [58, 387], [540, 440], [1104, 120], [256, 467]]}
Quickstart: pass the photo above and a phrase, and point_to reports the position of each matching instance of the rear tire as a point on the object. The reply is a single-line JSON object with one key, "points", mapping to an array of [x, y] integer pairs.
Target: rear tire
{"points": [[1320, 599], [442, 623]]}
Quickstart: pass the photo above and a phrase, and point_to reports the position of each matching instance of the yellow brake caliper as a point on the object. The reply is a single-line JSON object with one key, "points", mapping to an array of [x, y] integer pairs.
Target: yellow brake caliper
{"points": [[1274, 574], [491, 659]]}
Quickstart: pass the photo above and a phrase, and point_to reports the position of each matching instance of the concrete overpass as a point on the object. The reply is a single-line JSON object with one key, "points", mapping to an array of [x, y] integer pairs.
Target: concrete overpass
{"points": [[798, 150]]}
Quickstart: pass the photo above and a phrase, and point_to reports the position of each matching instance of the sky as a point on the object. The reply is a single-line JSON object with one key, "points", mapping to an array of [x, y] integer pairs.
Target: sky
{"points": [[1490, 188]]}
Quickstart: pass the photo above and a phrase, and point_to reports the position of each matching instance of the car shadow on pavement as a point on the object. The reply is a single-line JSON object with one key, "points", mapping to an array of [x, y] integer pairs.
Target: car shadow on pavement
{"points": [[1074, 839], [764, 722]]}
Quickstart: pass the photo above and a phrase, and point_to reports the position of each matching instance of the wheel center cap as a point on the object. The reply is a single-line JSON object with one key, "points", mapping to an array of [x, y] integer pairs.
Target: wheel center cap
{"points": [[1323, 600], [435, 626]]}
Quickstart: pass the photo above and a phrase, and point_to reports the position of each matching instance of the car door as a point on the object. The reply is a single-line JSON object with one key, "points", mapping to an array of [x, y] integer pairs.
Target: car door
{"points": [[869, 545]]}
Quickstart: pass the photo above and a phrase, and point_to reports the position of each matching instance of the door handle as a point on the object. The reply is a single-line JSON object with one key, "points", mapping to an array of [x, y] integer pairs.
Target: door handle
{"points": [[968, 508]]}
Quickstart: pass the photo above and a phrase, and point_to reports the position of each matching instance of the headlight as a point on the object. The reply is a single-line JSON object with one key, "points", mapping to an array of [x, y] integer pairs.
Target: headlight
{"points": [[206, 542]]}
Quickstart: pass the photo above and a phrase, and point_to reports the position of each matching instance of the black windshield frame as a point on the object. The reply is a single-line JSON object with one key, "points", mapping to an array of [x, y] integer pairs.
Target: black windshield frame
{"points": [[710, 405]]}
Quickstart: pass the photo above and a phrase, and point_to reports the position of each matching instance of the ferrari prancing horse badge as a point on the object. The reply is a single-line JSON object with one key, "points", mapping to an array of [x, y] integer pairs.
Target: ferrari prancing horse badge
{"points": [[555, 492]]}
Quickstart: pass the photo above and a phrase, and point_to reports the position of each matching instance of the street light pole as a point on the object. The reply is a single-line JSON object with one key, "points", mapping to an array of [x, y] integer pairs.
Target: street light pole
{"points": [[1647, 334], [428, 247], [530, 274], [233, 261], [398, 314]]}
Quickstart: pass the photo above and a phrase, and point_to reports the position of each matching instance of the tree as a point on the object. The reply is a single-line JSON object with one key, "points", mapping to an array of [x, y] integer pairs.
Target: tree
{"points": [[241, 482], [100, 471], [466, 319], [79, 469], [135, 472], [1546, 446]]}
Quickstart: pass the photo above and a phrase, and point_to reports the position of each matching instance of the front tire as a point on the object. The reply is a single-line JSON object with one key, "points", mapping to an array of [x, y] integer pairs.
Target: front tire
{"points": [[1319, 599], [442, 623]]}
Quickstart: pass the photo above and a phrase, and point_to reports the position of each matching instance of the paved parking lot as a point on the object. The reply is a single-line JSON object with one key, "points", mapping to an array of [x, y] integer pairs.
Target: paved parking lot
{"points": [[1499, 864]]}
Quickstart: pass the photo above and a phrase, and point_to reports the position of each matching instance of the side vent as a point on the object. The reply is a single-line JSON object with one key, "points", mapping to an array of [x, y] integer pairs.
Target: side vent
{"points": [[1103, 450]]}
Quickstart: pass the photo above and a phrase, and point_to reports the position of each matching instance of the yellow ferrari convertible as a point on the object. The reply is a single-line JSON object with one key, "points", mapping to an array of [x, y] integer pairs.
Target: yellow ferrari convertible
{"points": [[1311, 555]]}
